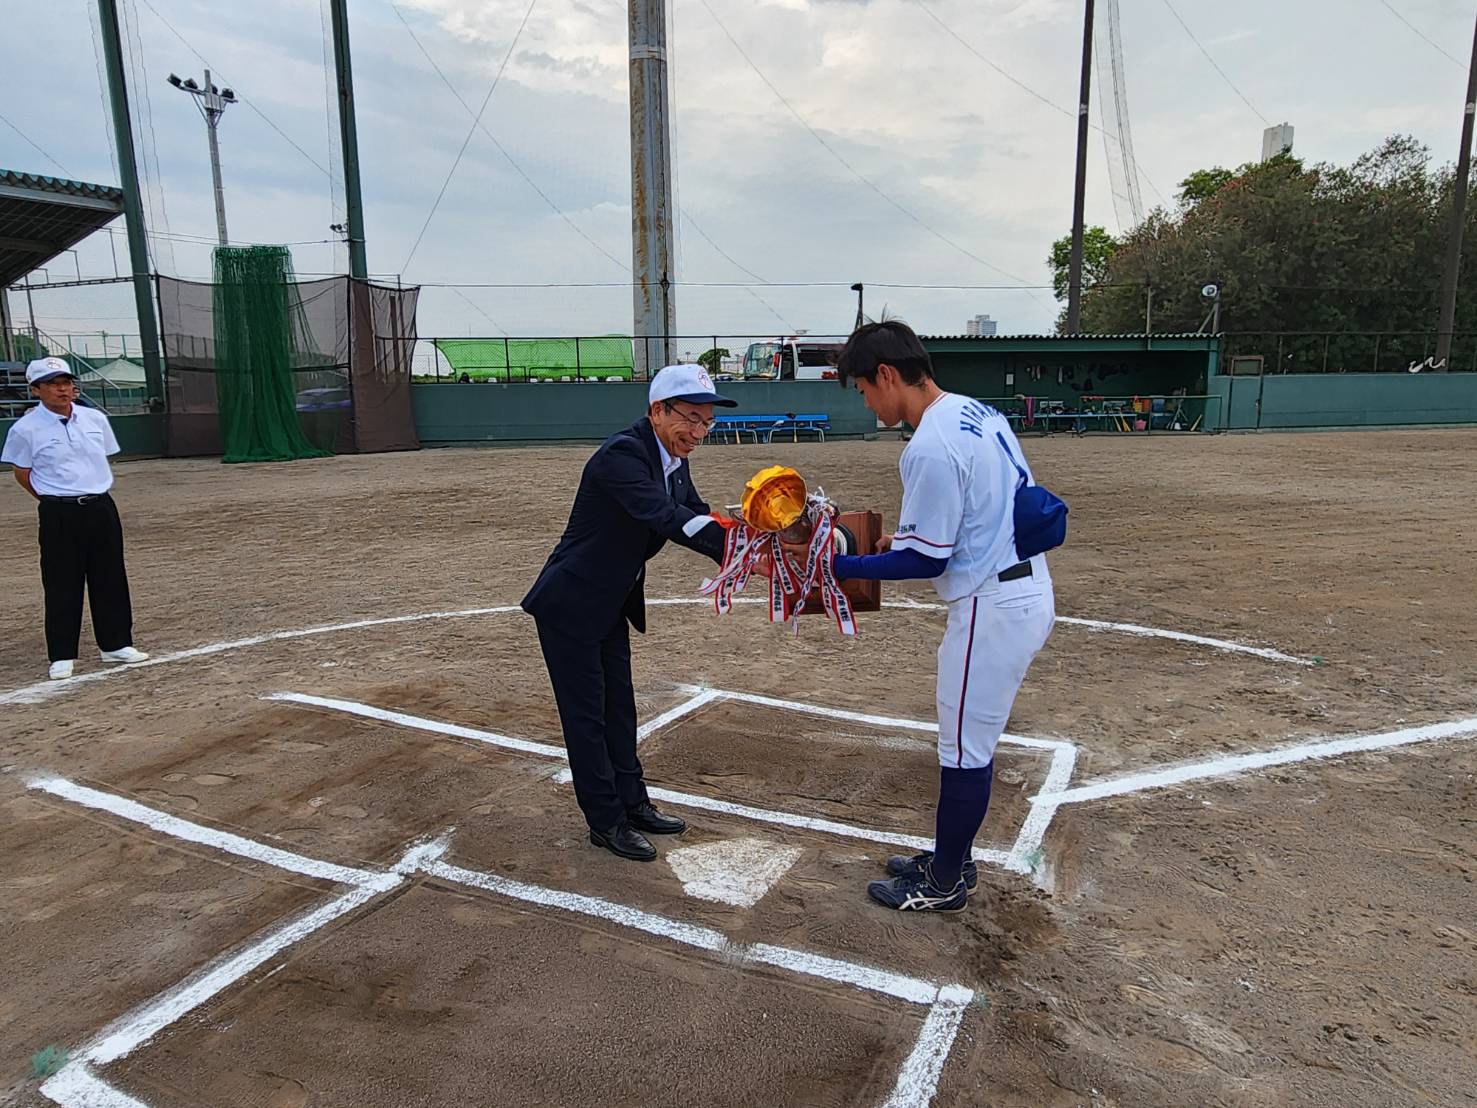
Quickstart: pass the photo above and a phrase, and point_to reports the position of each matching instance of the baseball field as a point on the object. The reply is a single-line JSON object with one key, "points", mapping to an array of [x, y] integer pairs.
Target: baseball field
{"points": [[319, 850]]}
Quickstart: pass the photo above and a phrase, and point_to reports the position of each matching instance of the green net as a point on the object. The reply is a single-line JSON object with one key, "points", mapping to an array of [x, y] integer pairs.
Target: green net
{"points": [[259, 330], [600, 357]]}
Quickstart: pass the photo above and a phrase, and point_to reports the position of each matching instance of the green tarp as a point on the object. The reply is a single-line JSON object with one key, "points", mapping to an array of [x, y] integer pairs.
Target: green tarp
{"points": [[533, 359]]}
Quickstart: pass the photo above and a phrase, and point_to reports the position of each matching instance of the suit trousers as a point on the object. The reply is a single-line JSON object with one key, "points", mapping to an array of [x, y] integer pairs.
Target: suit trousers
{"points": [[597, 710], [82, 546]]}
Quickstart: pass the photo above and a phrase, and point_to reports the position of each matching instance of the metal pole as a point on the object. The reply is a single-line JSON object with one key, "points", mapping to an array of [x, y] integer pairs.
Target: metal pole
{"points": [[1079, 194], [35, 334], [349, 137], [212, 121], [7, 351], [1453, 266], [133, 212], [651, 181], [1148, 309]]}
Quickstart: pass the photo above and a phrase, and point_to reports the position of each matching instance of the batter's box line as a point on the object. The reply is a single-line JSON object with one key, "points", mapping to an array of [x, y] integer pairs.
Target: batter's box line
{"points": [[43, 690], [77, 1086], [1023, 856]]}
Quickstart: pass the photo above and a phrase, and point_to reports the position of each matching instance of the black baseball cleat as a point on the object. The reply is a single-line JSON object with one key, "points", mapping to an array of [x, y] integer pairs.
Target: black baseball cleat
{"points": [[644, 817], [899, 865], [624, 841], [915, 892]]}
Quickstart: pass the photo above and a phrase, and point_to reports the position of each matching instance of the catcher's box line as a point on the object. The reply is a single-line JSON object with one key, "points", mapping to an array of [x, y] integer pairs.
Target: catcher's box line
{"points": [[76, 1087], [42, 690], [1019, 859], [1244, 763]]}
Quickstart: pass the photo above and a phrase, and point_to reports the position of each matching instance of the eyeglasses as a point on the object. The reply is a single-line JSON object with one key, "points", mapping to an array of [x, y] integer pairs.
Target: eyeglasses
{"points": [[691, 417]]}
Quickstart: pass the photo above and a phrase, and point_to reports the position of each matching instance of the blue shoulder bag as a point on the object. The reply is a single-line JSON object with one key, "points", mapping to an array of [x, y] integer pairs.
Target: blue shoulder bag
{"points": [[1040, 515]]}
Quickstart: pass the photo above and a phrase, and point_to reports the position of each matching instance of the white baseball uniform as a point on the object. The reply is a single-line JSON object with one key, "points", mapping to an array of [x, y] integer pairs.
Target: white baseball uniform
{"points": [[959, 479]]}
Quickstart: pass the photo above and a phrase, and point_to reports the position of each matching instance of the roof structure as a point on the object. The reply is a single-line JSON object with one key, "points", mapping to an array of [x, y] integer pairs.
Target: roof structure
{"points": [[42, 216]]}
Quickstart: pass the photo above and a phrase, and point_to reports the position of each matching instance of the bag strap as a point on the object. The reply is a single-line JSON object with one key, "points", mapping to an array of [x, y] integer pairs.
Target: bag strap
{"points": [[1000, 437]]}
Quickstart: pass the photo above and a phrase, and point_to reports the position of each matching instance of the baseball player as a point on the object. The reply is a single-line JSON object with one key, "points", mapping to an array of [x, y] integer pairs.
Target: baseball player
{"points": [[960, 525]]}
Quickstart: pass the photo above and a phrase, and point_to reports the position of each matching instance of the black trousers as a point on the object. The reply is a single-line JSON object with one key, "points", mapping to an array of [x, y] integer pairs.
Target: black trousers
{"points": [[82, 545], [597, 710]]}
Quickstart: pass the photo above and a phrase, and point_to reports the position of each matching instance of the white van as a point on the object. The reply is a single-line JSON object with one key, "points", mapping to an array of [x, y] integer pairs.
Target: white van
{"points": [[793, 358]]}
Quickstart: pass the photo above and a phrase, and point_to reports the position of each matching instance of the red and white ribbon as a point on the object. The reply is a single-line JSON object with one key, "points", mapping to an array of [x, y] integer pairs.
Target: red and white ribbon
{"points": [[789, 586]]}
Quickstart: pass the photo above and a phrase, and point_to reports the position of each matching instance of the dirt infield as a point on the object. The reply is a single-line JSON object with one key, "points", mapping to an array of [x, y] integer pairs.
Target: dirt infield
{"points": [[375, 889]]}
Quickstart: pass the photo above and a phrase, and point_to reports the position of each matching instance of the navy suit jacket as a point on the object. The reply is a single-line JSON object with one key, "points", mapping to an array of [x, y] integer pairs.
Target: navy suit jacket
{"points": [[623, 514]]}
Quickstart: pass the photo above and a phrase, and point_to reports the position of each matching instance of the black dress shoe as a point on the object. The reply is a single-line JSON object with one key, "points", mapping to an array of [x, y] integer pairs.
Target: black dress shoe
{"points": [[644, 817], [624, 841]]}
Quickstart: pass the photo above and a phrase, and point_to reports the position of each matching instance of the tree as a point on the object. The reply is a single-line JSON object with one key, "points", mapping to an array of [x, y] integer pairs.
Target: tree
{"points": [[1327, 265], [712, 359], [1203, 184], [1097, 252]]}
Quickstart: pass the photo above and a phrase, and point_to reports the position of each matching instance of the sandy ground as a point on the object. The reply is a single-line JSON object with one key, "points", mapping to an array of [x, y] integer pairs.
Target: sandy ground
{"points": [[1300, 935]]}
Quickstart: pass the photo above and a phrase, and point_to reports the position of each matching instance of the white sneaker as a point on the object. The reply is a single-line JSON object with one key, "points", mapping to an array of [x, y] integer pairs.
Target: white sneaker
{"points": [[60, 671], [126, 654]]}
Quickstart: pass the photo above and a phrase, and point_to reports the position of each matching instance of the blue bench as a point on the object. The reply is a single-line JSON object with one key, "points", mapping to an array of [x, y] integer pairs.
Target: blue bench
{"points": [[763, 427]]}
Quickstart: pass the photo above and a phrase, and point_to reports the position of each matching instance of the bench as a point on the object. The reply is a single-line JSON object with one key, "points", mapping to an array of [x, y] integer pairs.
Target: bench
{"points": [[763, 426]]}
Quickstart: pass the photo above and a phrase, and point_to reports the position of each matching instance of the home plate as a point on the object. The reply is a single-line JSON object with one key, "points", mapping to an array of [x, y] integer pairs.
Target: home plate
{"points": [[734, 871]]}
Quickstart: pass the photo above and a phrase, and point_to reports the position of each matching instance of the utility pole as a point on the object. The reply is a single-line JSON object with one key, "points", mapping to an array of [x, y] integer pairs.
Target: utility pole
{"points": [[1079, 195], [1452, 269], [349, 138], [212, 103], [133, 212], [7, 352], [651, 185]]}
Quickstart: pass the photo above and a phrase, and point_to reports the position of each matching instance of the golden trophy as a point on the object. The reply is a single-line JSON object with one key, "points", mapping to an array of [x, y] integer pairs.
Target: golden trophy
{"points": [[778, 514]]}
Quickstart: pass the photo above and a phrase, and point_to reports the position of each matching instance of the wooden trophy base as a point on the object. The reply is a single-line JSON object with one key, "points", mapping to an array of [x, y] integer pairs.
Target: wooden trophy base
{"points": [[865, 596]]}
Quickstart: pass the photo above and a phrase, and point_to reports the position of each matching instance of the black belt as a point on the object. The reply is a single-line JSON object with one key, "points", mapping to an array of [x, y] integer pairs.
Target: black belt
{"points": [[1016, 572], [86, 498]]}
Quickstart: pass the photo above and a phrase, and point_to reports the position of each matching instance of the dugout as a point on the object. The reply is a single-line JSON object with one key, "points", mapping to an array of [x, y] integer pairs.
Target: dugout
{"points": [[1067, 368]]}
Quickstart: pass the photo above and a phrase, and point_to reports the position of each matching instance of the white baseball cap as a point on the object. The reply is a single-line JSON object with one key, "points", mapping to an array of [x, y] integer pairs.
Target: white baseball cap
{"points": [[686, 382], [44, 369]]}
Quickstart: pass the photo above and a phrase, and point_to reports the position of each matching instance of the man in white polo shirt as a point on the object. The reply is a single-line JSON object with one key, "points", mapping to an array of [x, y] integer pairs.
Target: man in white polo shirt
{"points": [[59, 451]]}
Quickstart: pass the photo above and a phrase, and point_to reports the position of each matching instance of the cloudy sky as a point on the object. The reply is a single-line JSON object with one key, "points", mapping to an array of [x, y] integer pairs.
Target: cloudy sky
{"points": [[817, 142]]}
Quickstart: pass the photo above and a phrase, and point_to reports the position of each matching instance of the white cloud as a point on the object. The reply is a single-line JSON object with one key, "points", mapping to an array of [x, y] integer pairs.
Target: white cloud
{"points": [[946, 136]]}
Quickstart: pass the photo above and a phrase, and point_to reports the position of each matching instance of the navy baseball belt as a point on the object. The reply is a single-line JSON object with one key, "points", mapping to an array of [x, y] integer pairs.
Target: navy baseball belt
{"points": [[1015, 572], [87, 498]]}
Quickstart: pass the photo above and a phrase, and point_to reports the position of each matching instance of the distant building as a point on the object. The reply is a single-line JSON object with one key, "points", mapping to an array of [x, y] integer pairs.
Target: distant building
{"points": [[1276, 140], [980, 325]]}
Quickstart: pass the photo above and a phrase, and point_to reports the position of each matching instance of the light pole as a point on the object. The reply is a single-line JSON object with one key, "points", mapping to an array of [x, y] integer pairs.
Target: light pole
{"points": [[212, 103], [857, 288]]}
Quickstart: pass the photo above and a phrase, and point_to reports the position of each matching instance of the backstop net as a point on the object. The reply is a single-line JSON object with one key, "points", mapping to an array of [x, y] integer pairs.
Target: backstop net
{"points": [[260, 367]]}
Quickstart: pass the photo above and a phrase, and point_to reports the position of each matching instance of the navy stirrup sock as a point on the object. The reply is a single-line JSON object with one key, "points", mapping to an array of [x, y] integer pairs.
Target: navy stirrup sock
{"points": [[964, 797]]}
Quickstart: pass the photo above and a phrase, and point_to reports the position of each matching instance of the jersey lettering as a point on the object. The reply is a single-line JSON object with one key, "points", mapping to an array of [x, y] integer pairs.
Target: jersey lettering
{"points": [[972, 418]]}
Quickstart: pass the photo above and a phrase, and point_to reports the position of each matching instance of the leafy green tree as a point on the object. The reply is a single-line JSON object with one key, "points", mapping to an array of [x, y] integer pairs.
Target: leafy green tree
{"points": [[1320, 265], [1203, 184], [1097, 252], [712, 359]]}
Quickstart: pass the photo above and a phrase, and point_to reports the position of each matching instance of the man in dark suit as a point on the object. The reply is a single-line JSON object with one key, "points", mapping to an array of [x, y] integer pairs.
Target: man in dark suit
{"points": [[635, 494]]}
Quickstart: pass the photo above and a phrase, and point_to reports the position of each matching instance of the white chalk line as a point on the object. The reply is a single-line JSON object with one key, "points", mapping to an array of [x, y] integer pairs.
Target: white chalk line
{"points": [[670, 796], [75, 1087], [651, 726], [918, 1080], [420, 723], [43, 690], [911, 989], [224, 841], [138, 1027], [927, 726], [1136, 629], [1244, 763]]}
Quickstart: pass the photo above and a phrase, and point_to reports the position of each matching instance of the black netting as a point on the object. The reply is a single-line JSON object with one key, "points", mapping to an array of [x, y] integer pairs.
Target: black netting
{"points": [[349, 358]]}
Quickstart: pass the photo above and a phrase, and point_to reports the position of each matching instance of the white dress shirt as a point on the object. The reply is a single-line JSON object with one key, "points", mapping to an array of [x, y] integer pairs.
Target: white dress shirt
{"points": [[66, 457]]}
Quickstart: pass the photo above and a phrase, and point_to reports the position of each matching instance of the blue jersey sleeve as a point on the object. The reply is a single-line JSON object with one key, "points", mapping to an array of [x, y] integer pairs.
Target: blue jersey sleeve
{"points": [[893, 565]]}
